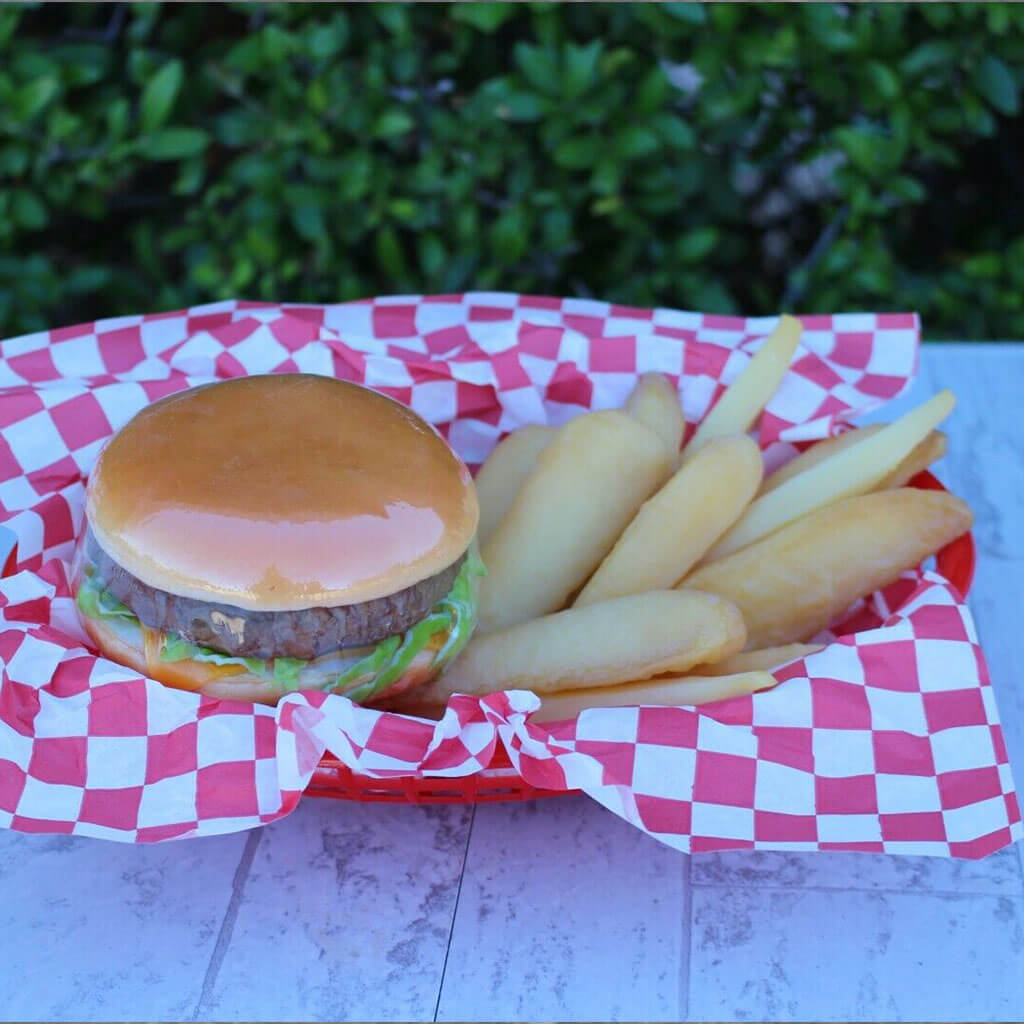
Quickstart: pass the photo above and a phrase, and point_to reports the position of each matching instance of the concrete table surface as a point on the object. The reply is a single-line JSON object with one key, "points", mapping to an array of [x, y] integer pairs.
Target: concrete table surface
{"points": [[554, 910]]}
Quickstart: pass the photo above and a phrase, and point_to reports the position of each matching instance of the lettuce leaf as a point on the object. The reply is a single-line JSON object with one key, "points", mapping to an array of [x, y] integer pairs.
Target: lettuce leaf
{"points": [[286, 672], [99, 603], [176, 648]]}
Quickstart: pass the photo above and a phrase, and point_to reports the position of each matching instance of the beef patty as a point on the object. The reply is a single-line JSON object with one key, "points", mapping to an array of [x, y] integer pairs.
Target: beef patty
{"points": [[306, 633]]}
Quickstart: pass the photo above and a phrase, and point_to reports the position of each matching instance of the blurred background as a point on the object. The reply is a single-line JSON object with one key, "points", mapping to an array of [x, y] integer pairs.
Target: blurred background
{"points": [[724, 158]]}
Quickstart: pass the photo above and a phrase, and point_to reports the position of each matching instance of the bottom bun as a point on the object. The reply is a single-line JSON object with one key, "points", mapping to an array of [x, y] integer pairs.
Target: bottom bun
{"points": [[224, 682], [229, 682]]}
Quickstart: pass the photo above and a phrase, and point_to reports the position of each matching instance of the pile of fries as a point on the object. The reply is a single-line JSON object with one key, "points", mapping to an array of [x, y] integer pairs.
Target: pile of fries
{"points": [[623, 571]]}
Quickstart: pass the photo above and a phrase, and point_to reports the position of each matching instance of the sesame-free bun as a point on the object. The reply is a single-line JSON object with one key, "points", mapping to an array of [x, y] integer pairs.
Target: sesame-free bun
{"points": [[281, 492]]}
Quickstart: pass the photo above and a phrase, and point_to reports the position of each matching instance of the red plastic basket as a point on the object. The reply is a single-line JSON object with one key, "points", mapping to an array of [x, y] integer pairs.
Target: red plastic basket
{"points": [[499, 780]]}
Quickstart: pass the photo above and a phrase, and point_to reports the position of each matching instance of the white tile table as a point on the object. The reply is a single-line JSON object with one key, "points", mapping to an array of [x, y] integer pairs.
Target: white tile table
{"points": [[554, 910]]}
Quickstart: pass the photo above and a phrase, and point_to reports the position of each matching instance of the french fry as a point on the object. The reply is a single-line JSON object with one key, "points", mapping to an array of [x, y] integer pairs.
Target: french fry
{"points": [[792, 584], [673, 691], [930, 450], [504, 471], [586, 486], [818, 451], [665, 691], [675, 527], [633, 637], [764, 659], [655, 403], [854, 470], [746, 397]]}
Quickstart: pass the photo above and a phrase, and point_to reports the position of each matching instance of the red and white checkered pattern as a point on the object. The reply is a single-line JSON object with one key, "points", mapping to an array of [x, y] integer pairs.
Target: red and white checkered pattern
{"points": [[886, 740]]}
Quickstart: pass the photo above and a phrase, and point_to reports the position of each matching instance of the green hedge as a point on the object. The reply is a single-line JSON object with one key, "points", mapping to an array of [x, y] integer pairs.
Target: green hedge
{"points": [[750, 157]]}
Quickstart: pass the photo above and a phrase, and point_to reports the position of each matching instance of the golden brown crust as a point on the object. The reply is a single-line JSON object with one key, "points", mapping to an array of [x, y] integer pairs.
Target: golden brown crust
{"points": [[281, 492]]}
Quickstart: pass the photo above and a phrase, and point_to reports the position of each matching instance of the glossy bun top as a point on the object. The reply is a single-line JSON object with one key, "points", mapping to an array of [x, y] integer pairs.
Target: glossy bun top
{"points": [[281, 492]]}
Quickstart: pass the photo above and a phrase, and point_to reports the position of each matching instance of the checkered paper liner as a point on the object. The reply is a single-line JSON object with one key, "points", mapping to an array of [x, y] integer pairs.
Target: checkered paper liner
{"points": [[887, 740]]}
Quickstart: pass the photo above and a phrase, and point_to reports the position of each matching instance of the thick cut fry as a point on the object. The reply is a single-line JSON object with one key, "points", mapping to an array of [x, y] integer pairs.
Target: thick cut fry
{"points": [[750, 392], [674, 691], [818, 452], [504, 471], [930, 450], [793, 584], [655, 403], [855, 470], [675, 527], [764, 659], [632, 637], [587, 485], [665, 691]]}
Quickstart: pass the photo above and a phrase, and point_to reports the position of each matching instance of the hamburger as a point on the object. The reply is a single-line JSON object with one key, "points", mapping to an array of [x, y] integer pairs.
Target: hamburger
{"points": [[268, 534]]}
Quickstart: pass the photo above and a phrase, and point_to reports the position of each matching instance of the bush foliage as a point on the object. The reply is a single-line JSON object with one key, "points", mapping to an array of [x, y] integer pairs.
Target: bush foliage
{"points": [[719, 157]]}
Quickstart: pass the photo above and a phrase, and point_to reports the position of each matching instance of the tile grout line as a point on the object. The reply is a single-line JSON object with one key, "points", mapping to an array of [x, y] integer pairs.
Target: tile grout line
{"points": [[227, 925], [686, 948], [455, 911]]}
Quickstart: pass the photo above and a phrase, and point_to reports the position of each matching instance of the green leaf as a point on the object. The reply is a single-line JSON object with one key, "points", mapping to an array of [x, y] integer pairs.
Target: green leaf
{"points": [[33, 97], [82, 63], [87, 280], [118, 113], [355, 174], [691, 13], [28, 210], [174, 143], [308, 221], [695, 245], [9, 18], [276, 44], [580, 68], [487, 17], [508, 237], [996, 83], [13, 160], [673, 131], [606, 205], [392, 123], [393, 16], [927, 57], [159, 95], [326, 41], [908, 189], [861, 146], [884, 79], [577, 153], [390, 257], [652, 93], [985, 264], [539, 66], [635, 141], [607, 177], [404, 209], [432, 256], [615, 60], [521, 106]]}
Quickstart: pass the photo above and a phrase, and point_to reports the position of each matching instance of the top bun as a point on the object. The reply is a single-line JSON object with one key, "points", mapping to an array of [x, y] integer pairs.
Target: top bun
{"points": [[281, 492]]}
